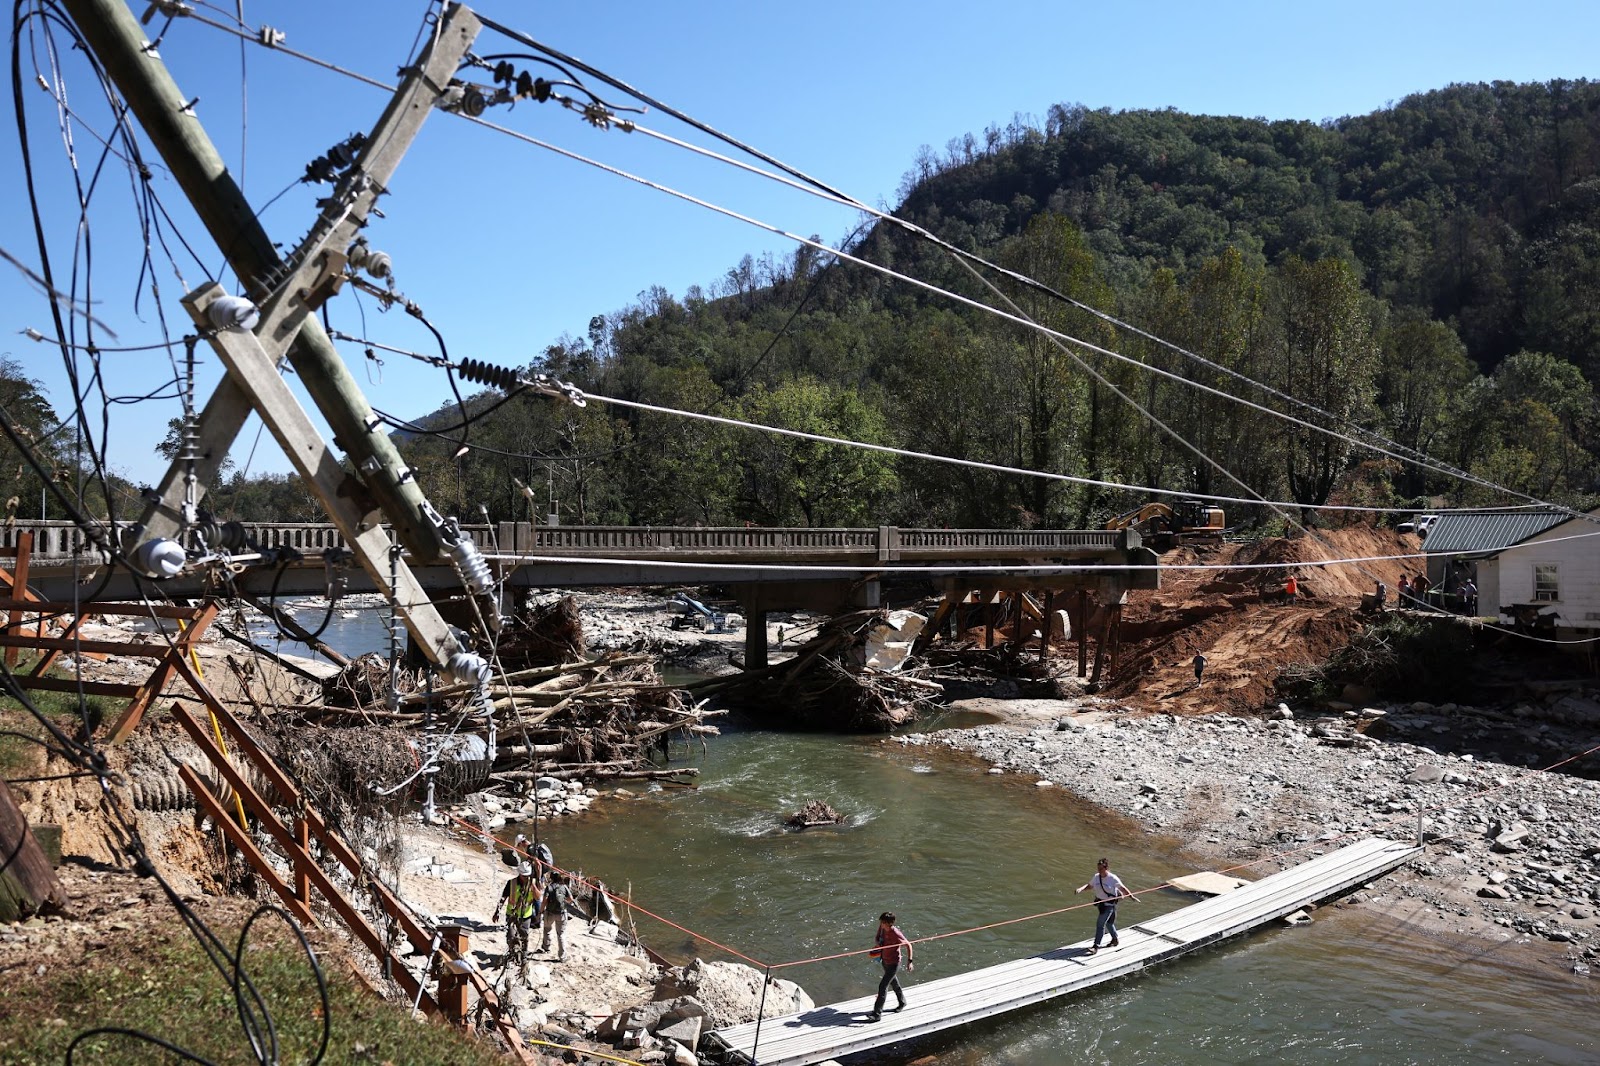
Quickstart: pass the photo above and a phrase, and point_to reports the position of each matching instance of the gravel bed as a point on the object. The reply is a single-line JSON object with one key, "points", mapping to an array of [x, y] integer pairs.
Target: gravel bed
{"points": [[1508, 846]]}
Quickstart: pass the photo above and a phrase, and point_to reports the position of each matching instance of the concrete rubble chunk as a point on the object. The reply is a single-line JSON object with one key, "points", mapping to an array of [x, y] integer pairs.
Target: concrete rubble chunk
{"points": [[730, 993], [686, 1032], [649, 1017]]}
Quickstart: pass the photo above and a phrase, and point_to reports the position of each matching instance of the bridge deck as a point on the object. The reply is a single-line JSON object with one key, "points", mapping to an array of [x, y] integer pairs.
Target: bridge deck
{"points": [[841, 1029]]}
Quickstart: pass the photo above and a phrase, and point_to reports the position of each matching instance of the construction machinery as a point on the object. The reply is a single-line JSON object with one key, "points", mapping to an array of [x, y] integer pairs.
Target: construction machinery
{"points": [[1166, 525], [699, 615]]}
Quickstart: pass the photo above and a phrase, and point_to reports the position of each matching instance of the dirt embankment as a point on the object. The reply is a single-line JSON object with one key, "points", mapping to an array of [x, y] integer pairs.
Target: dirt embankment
{"points": [[1239, 620]]}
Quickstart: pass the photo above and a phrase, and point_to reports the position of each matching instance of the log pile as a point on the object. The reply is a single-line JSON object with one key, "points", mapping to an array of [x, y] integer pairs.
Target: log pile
{"points": [[364, 682], [543, 634], [971, 663], [596, 719], [827, 686]]}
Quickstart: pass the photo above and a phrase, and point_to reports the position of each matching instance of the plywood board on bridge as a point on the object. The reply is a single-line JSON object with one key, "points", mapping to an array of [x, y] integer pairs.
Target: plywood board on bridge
{"points": [[1207, 883], [840, 1029]]}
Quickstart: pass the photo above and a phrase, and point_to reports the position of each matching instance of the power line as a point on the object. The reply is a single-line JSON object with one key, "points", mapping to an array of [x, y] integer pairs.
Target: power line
{"points": [[1021, 320]]}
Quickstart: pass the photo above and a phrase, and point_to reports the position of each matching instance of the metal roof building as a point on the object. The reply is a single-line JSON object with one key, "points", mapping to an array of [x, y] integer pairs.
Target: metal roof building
{"points": [[1467, 533], [1536, 567]]}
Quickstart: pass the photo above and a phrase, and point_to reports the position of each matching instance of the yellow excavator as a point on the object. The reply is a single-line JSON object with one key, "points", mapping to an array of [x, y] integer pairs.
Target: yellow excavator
{"points": [[1166, 525]]}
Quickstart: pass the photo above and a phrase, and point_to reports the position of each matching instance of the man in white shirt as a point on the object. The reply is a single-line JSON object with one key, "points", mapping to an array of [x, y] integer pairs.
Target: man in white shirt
{"points": [[1108, 889]]}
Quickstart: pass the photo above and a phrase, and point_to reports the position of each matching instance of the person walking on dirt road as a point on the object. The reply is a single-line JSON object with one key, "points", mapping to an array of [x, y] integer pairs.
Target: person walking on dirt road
{"points": [[1291, 589], [1199, 666], [1108, 891]]}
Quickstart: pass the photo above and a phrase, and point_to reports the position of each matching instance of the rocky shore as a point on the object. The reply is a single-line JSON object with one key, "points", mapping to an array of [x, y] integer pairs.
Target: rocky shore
{"points": [[607, 993], [1513, 853]]}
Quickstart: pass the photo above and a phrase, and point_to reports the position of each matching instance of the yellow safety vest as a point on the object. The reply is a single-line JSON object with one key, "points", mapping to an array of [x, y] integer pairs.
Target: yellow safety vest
{"points": [[522, 900]]}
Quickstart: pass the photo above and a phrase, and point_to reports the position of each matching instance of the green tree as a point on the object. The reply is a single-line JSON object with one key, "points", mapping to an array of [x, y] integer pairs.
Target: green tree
{"points": [[791, 481], [1324, 353]]}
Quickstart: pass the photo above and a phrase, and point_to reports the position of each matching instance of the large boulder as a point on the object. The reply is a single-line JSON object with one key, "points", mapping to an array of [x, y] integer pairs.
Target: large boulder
{"points": [[731, 992]]}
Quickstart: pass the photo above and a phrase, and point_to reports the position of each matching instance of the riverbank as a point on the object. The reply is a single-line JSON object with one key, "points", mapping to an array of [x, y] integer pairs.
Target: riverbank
{"points": [[1513, 853]]}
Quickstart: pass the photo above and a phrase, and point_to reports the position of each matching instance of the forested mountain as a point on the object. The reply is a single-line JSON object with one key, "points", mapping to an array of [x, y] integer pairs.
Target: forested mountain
{"points": [[1423, 275]]}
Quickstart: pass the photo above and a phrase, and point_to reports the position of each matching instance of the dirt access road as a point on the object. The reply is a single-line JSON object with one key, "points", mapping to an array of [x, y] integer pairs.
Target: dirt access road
{"points": [[1238, 620]]}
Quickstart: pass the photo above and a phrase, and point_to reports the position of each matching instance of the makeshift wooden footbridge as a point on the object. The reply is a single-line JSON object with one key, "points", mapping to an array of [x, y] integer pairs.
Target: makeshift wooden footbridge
{"points": [[841, 1029]]}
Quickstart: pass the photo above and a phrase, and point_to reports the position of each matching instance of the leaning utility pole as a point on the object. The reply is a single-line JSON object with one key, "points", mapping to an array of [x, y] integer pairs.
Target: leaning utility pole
{"points": [[133, 64], [251, 340]]}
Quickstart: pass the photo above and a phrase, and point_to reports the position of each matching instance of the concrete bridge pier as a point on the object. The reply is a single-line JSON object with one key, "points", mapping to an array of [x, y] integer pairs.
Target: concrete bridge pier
{"points": [[759, 599]]}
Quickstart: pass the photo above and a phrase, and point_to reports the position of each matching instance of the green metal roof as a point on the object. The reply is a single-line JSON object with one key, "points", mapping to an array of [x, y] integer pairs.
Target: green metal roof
{"points": [[1466, 533]]}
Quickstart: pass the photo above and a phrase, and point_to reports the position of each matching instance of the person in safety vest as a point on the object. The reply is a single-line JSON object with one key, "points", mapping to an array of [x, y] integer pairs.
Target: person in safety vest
{"points": [[520, 900]]}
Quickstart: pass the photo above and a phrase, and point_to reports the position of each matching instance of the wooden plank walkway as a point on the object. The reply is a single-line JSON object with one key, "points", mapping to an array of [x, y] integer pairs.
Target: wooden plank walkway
{"points": [[840, 1029]]}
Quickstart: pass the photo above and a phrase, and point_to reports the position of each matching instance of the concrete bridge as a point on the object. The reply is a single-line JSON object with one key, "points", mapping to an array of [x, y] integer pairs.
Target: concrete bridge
{"points": [[764, 569]]}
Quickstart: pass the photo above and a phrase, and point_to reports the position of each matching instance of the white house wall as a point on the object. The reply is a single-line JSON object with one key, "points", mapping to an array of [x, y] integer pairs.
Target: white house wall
{"points": [[1578, 559], [1489, 586]]}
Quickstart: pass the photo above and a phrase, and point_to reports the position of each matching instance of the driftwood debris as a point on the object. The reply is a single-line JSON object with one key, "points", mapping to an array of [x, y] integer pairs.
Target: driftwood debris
{"points": [[814, 814], [605, 718], [828, 684], [543, 634]]}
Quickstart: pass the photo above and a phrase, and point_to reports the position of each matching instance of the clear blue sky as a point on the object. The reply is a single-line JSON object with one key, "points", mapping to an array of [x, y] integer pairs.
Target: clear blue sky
{"points": [[507, 247]]}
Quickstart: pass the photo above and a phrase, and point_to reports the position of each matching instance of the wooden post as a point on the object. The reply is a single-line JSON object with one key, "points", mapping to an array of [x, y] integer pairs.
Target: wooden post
{"points": [[27, 882], [19, 588], [1083, 633], [988, 618], [302, 880], [452, 995]]}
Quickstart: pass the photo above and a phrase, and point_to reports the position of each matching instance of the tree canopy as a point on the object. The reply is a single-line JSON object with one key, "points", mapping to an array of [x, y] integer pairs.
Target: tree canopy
{"points": [[1418, 276]]}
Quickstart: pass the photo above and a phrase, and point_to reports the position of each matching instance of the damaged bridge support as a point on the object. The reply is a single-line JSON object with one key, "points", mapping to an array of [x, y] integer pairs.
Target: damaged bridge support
{"points": [[759, 599], [1091, 619]]}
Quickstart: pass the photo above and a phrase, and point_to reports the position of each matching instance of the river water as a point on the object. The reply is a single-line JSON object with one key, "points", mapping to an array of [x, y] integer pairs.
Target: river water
{"points": [[936, 839], [949, 847]]}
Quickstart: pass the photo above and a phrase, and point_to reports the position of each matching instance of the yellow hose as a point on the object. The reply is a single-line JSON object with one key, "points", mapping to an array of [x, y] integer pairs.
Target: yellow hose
{"points": [[216, 727]]}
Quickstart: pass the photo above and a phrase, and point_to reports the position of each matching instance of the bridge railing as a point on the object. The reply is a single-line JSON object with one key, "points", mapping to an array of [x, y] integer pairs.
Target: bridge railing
{"points": [[64, 540], [50, 538], [319, 536], [525, 539], [1027, 540], [884, 543]]}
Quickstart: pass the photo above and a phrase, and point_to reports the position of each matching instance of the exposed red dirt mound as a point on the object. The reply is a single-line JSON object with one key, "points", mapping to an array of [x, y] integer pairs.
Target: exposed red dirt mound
{"points": [[1238, 621]]}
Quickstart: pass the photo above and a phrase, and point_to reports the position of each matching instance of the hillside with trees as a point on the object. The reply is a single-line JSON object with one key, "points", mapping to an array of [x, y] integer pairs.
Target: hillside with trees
{"points": [[1421, 275]]}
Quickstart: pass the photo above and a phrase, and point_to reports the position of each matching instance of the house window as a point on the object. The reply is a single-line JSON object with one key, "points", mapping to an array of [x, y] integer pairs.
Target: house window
{"points": [[1546, 582]]}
